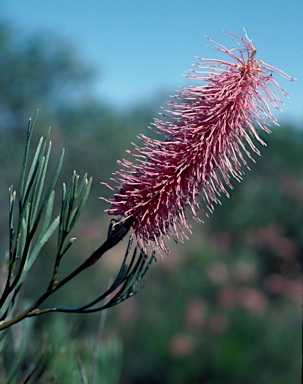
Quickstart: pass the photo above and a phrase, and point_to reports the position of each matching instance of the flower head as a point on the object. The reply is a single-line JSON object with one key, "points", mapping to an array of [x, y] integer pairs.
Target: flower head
{"points": [[208, 132]]}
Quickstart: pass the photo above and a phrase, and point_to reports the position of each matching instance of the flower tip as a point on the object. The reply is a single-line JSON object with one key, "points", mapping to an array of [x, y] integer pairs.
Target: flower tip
{"points": [[107, 185]]}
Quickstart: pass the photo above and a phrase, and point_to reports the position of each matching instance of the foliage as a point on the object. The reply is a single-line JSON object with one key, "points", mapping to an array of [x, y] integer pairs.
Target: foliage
{"points": [[57, 356], [35, 226]]}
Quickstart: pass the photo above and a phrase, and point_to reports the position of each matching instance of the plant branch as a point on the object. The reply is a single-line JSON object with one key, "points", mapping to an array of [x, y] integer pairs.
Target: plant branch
{"points": [[117, 234]]}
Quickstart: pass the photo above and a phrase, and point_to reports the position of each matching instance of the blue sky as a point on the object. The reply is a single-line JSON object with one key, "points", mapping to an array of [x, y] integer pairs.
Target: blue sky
{"points": [[142, 48]]}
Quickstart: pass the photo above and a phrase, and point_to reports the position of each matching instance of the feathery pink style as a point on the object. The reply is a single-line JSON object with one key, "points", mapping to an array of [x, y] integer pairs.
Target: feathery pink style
{"points": [[208, 131]]}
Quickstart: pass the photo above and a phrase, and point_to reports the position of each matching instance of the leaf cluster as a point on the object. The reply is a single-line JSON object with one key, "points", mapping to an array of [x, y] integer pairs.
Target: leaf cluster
{"points": [[33, 227]]}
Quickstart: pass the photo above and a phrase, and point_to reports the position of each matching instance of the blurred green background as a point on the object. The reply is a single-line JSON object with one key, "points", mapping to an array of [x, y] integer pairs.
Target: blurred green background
{"points": [[224, 307]]}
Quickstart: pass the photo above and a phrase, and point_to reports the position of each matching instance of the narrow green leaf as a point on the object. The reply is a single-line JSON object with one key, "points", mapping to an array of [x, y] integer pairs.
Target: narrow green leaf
{"points": [[33, 202], [45, 232], [39, 245], [29, 132], [81, 203], [35, 166], [23, 233], [136, 276], [41, 180], [48, 193], [67, 246], [68, 204], [49, 211], [31, 174], [73, 202], [12, 200], [81, 186]]}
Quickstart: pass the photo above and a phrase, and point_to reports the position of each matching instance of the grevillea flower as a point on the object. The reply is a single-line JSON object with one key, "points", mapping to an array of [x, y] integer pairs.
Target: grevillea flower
{"points": [[207, 135]]}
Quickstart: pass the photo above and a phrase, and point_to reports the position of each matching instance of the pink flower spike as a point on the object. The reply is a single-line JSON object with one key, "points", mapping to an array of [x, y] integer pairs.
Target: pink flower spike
{"points": [[208, 133]]}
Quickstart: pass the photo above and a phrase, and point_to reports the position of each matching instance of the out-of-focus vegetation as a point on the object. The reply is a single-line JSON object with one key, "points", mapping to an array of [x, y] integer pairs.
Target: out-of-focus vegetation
{"points": [[225, 307]]}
